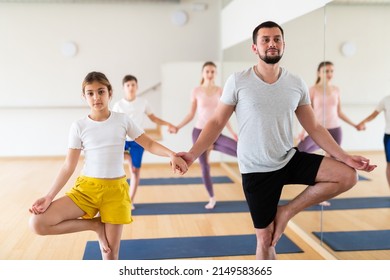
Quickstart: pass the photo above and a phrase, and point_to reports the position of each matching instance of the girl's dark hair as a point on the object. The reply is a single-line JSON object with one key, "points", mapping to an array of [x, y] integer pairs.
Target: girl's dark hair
{"points": [[322, 64], [207, 63], [96, 77]]}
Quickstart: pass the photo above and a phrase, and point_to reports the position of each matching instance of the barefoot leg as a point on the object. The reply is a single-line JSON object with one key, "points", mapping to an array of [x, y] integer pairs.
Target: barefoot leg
{"points": [[101, 233], [211, 203]]}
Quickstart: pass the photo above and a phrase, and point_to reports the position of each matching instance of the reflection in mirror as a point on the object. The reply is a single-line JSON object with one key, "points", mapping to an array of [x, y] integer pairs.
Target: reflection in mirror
{"points": [[353, 37], [358, 46]]}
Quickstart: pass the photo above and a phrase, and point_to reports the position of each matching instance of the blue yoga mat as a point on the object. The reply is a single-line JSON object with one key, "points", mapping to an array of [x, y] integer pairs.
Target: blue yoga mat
{"points": [[352, 203], [194, 180], [182, 181], [176, 208], [356, 240], [189, 208], [189, 247], [362, 178]]}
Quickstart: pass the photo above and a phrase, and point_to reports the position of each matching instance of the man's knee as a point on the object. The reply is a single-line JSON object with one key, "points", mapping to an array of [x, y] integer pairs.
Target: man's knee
{"points": [[349, 179], [264, 237]]}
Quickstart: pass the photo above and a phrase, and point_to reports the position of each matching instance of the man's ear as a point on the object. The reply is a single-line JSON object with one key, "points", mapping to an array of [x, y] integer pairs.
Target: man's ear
{"points": [[254, 48]]}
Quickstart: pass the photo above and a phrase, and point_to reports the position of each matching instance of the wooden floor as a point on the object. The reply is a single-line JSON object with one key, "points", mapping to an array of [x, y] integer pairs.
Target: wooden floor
{"points": [[24, 180]]}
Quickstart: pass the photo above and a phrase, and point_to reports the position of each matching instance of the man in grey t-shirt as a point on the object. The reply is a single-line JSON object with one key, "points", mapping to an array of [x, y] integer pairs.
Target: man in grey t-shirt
{"points": [[265, 98]]}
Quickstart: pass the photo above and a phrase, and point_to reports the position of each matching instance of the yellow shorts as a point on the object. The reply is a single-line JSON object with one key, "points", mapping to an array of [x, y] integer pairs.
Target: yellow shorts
{"points": [[110, 197]]}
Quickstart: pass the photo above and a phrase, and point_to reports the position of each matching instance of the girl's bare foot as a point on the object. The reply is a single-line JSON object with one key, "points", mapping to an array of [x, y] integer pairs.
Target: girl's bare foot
{"points": [[101, 233], [211, 203]]}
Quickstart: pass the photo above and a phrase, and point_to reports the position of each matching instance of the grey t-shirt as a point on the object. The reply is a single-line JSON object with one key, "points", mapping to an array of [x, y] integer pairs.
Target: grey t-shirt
{"points": [[265, 114]]}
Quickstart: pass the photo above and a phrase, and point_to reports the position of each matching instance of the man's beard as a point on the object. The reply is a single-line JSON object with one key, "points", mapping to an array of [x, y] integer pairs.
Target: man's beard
{"points": [[271, 59]]}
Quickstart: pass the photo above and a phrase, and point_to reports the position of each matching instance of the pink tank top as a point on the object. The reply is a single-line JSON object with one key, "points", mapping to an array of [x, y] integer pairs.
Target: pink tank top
{"points": [[325, 106], [206, 104]]}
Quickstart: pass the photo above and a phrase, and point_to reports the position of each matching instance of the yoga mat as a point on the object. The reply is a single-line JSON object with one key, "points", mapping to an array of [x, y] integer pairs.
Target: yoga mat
{"points": [[352, 203], [194, 180], [356, 240], [172, 208], [189, 247], [182, 181], [362, 178]]}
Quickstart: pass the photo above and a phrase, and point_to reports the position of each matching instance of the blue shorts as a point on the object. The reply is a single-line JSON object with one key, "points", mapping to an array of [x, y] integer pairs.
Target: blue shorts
{"points": [[386, 142], [135, 151]]}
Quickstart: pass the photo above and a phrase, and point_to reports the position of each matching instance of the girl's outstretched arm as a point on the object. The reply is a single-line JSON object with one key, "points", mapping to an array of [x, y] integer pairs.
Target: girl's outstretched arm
{"points": [[177, 163], [67, 169]]}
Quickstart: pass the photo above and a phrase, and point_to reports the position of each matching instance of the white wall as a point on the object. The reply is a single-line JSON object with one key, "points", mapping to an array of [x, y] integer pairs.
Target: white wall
{"points": [[139, 39], [241, 15], [40, 89]]}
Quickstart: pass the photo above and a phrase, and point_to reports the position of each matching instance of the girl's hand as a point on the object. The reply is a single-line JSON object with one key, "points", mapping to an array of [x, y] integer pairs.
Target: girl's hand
{"points": [[178, 164], [172, 129], [40, 205], [361, 126]]}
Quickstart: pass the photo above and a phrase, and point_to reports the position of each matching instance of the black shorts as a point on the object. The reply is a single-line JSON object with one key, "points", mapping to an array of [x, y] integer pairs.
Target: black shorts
{"points": [[263, 189]]}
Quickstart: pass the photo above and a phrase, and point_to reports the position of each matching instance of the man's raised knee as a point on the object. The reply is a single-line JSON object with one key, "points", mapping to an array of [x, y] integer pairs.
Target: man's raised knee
{"points": [[349, 179]]}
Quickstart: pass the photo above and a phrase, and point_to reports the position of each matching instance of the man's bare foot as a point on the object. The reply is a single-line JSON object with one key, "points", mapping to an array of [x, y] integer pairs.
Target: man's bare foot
{"points": [[101, 233], [280, 223], [324, 203], [211, 203]]}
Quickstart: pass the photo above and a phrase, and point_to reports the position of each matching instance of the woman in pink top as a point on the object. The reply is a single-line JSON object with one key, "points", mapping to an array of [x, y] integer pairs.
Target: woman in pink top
{"points": [[204, 101], [325, 99]]}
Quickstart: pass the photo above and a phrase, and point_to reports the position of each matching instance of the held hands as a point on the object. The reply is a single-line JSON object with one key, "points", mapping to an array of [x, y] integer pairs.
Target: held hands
{"points": [[181, 161], [40, 205], [187, 156], [361, 126], [172, 129], [178, 164]]}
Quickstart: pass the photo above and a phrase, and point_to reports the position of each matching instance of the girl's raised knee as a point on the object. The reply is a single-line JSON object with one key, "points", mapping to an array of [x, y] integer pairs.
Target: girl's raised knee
{"points": [[35, 225]]}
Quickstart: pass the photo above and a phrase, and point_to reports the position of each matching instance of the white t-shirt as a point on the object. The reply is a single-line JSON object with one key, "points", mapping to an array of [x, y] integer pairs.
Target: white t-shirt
{"points": [[102, 143], [265, 114], [384, 105], [137, 110]]}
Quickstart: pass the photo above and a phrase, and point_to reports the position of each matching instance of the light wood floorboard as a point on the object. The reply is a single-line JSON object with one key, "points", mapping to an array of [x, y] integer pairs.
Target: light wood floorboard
{"points": [[25, 179]]}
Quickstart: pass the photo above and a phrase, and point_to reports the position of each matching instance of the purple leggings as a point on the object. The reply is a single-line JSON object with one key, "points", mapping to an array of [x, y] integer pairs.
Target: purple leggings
{"points": [[309, 146], [224, 145]]}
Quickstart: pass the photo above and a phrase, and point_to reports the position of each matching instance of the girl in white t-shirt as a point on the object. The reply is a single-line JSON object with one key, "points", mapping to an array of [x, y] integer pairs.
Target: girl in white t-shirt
{"points": [[100, 195]]}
